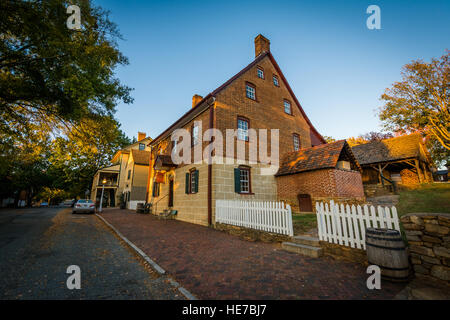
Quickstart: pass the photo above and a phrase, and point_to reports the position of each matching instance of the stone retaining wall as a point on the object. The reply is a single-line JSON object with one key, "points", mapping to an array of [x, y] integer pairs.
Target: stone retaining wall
{"points": [[429, 243], [251, 234], [343, 252]]}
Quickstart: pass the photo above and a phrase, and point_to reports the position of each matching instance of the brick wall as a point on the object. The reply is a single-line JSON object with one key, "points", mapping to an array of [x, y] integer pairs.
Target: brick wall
{"points": [[321, 185], [267, 112]]}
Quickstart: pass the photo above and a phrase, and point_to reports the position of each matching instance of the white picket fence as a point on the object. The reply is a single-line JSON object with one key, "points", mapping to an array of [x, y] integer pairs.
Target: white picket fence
{"points": [[346, 225], [267, 216]]}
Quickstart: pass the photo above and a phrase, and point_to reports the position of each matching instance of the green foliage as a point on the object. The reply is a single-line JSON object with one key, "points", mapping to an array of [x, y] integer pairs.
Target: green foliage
{"points": [[84, 149], [420, 103], [50, 70], [369, 137], [57, 97]]}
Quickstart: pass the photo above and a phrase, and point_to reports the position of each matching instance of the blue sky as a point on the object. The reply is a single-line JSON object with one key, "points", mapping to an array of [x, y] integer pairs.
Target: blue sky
{"points": [[337, 67]]}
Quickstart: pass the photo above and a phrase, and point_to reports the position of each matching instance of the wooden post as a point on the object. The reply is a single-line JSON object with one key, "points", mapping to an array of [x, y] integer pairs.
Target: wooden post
{"points": [[416, 163], [425, 175], [380, 172]]}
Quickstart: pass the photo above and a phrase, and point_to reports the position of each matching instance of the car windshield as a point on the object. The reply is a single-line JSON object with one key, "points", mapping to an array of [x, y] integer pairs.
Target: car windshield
{"points": [[85, 201]]}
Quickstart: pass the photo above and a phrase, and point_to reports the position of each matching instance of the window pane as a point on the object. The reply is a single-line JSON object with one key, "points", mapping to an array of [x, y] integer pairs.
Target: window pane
{"points": [[260, 74], [245, 180], [275, 81], [141, 146], [250, 91], [192, 182], [195, 135], [287, 107], [296, 143], [242, 130]]}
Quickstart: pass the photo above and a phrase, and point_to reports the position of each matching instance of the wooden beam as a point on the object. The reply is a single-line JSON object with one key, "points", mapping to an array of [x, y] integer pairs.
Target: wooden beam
{"points": [[418, 170]]}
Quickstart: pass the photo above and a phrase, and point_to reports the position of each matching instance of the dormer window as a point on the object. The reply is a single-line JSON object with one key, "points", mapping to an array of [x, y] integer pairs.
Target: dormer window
{"points": [[287, 107], [250, 91], [260, 73], [275, 81]]}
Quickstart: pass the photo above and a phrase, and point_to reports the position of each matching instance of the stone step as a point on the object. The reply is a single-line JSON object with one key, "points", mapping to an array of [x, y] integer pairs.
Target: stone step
{"points": [[307, 240], [303, 249]]}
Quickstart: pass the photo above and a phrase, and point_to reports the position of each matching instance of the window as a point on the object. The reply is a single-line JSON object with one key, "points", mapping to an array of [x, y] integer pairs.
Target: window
{"points": [[275, 80], [192, 181], [194, 135], [242, 180], [260, 73], [141, 146], [156, 189], [250, 91], [296, 140], [174, 147], [287, 107], [242, 126], [129, 174]]}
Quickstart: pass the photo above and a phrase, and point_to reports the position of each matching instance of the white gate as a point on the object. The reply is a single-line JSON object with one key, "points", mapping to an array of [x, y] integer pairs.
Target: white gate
{"points": [[346, 225]]}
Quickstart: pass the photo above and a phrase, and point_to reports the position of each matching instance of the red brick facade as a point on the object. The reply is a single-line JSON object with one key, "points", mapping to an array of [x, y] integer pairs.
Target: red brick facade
{"points": [[321, 185]]}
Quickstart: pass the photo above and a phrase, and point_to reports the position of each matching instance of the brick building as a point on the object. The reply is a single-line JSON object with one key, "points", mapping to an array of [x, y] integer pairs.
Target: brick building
{"points": [[257, 97], [323, 173]]}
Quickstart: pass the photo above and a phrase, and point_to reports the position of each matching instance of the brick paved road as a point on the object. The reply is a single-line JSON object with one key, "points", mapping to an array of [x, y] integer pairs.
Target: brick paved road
{"points": [[37, 246], [215, 265]]}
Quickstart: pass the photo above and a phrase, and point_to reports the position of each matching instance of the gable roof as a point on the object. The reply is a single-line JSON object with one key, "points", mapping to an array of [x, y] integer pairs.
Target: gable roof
{"points": [[141, 157], [393, 149], [324, 156], [205, 102]]}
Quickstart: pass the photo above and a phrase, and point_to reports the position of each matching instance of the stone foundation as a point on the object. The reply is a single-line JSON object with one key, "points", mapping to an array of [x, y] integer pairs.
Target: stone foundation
{"points": [[342, 252], [429, 242], [251, 234]]}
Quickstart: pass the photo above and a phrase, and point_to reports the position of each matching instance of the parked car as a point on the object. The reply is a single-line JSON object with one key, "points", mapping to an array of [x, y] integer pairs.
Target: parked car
{"points": [[84, 205], [44, 204], [67, 203]]}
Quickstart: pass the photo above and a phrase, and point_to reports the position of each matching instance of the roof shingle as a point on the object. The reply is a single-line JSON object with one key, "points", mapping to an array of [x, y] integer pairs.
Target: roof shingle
{"points": [[141, 157], [319, 157], [393, 149]]}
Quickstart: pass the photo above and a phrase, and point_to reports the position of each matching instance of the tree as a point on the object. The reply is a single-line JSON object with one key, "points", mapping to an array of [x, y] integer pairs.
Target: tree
{"points": [[420, 103], [329, 139], [83, 150], [369, 137], [49, 70]]}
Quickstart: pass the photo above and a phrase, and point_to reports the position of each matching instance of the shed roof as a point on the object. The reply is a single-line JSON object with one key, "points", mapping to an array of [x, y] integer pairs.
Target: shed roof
{"points": [[324, 156], [393, 149]]}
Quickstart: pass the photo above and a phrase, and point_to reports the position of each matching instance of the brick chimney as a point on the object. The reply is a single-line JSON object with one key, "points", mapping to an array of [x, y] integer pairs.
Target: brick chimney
{"points": [[196, 99], [141, 136], [262, 44]]}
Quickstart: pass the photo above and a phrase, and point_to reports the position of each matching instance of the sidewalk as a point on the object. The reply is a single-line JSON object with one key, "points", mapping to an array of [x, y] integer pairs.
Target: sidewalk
{"points": [[214, 265]]}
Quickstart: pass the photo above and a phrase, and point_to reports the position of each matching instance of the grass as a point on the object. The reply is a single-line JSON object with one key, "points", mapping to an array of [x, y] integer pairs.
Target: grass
{"points": [[432, 198], [303, 222]]}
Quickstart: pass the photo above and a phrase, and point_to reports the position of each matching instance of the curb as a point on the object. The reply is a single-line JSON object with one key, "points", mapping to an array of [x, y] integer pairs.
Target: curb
{"points": [[154, 265]]}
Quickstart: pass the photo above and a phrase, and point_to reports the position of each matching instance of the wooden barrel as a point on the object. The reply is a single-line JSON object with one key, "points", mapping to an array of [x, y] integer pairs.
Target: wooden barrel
{"points": [[386, 249]]}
